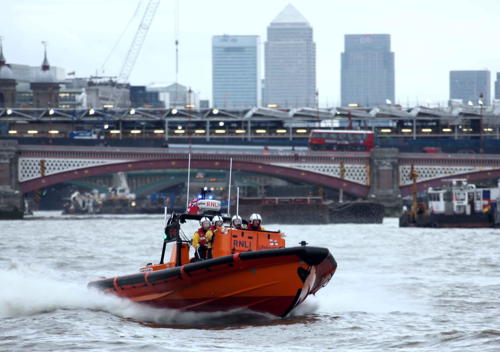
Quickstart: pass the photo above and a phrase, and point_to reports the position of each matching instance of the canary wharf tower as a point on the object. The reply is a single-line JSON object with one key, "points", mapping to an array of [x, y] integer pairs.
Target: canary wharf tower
{"points": [[290, 61]]}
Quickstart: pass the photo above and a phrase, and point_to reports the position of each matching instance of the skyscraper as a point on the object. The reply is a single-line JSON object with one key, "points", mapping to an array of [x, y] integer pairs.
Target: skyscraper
{"points": [[469, 85], [497, 86], [235, 71], [290, 61], [367, 70]]}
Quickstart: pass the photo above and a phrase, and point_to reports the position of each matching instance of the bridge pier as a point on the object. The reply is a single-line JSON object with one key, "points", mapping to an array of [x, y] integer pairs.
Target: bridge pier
{"points": [[11, 198], [384, 179]]}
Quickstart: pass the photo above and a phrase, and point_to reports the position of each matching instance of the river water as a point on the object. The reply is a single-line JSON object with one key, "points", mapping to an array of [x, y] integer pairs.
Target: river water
{"points": [[394, 289]]}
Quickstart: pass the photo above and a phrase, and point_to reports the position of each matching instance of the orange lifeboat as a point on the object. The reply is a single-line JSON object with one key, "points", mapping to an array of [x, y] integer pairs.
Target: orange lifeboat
{"points": [[249, 270]]}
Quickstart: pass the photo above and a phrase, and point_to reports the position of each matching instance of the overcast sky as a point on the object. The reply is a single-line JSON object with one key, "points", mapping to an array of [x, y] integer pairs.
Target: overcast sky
{"points": [[429, 37]]}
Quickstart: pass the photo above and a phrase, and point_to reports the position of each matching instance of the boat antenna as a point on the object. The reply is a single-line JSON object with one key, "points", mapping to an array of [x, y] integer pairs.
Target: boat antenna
{"points": [[413, 176], [188, 177], [238, 201], [229, 190], [164, 238]]}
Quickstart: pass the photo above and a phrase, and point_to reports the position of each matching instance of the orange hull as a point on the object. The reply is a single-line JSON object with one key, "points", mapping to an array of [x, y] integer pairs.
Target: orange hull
{"points": [[270, 281]]}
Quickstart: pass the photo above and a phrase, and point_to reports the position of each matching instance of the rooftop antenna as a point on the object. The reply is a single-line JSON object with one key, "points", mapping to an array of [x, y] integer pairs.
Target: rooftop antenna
{"points": [[44, 43], [45, 63]]}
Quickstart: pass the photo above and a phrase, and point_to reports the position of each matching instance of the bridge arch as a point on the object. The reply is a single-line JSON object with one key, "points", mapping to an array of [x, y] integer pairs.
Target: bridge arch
{"points": [[157, 164], [437, 182]]}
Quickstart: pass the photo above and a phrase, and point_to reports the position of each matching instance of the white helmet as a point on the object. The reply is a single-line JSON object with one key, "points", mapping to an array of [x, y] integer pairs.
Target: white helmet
{"points": [[216, 219], [255, 216], [236, 218], [203, 220]]}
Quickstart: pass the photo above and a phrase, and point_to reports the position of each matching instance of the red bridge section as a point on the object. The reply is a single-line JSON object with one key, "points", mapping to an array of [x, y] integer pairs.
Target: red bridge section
{"points": [[382, 174]]}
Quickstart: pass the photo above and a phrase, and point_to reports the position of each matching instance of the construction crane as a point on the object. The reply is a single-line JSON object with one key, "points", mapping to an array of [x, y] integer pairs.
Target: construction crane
{"points": [[134, 50]]}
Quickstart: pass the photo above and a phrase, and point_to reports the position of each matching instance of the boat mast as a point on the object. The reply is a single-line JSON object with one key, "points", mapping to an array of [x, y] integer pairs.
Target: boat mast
{"points": [[342, 177], [165, 238], [229, 190], [413, 177], [188, 178], [237, 201]]}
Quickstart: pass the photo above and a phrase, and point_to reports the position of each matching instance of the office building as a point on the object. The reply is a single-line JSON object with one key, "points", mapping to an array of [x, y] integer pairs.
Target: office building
{"points": [[497, 87], [290, 61], [142, 97], [235, 71], [204, 103], [367, 70], [104, 92], [468, 86]]}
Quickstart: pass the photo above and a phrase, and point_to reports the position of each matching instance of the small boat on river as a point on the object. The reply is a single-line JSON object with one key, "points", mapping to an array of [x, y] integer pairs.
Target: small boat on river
{"points": [[250, 270], [456, 204]]}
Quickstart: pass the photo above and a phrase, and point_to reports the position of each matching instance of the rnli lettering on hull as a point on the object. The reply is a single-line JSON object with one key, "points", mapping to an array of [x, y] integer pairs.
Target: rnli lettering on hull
{"points": [[240, 243], [247, 244]]}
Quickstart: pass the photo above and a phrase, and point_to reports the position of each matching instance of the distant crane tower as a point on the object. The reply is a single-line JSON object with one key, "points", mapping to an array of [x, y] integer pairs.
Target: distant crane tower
{"points": [[135, 49]]}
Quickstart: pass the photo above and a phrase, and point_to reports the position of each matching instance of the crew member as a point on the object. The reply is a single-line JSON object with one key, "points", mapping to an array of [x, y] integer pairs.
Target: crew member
{"points": [[217, 221], [254, 224], [202, 240], [236, 222]]}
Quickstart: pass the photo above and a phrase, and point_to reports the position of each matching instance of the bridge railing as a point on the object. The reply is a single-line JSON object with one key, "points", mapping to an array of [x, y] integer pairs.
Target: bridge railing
{"points": [[449, 159], [123, 153]]}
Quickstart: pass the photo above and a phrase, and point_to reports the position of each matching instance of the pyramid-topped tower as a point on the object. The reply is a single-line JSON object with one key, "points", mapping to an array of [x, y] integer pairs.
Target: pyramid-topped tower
{"points": [[290, 61], [290, 15]]}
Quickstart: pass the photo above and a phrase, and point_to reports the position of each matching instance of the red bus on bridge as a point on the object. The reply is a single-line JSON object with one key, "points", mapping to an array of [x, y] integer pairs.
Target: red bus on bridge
{"points": [[341, 140]]}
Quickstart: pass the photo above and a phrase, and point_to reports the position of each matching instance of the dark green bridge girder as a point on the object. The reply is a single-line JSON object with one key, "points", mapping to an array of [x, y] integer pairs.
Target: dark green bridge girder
{"points": [[89, 185], [172, 178]]}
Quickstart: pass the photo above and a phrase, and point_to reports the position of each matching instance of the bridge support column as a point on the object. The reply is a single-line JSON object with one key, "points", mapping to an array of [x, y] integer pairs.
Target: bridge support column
{"points": [[384, 179], [11, 198]]}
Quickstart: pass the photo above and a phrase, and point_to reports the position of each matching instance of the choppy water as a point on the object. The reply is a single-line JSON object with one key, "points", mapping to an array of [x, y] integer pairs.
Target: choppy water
{"points": [[395, 289]]}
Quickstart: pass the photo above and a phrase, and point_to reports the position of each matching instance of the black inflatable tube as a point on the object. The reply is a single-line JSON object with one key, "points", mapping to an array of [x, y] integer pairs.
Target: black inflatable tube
{"points": [[160, 275], [310, 255]]}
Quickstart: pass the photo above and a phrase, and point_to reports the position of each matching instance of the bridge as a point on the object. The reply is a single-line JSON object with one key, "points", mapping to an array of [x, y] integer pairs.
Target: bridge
{"points": [[382, 174], [451, 129], [63, 164]]}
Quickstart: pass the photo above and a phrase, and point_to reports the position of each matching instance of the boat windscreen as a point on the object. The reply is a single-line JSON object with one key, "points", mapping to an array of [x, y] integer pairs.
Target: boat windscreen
{"points": [[183, 217]]}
